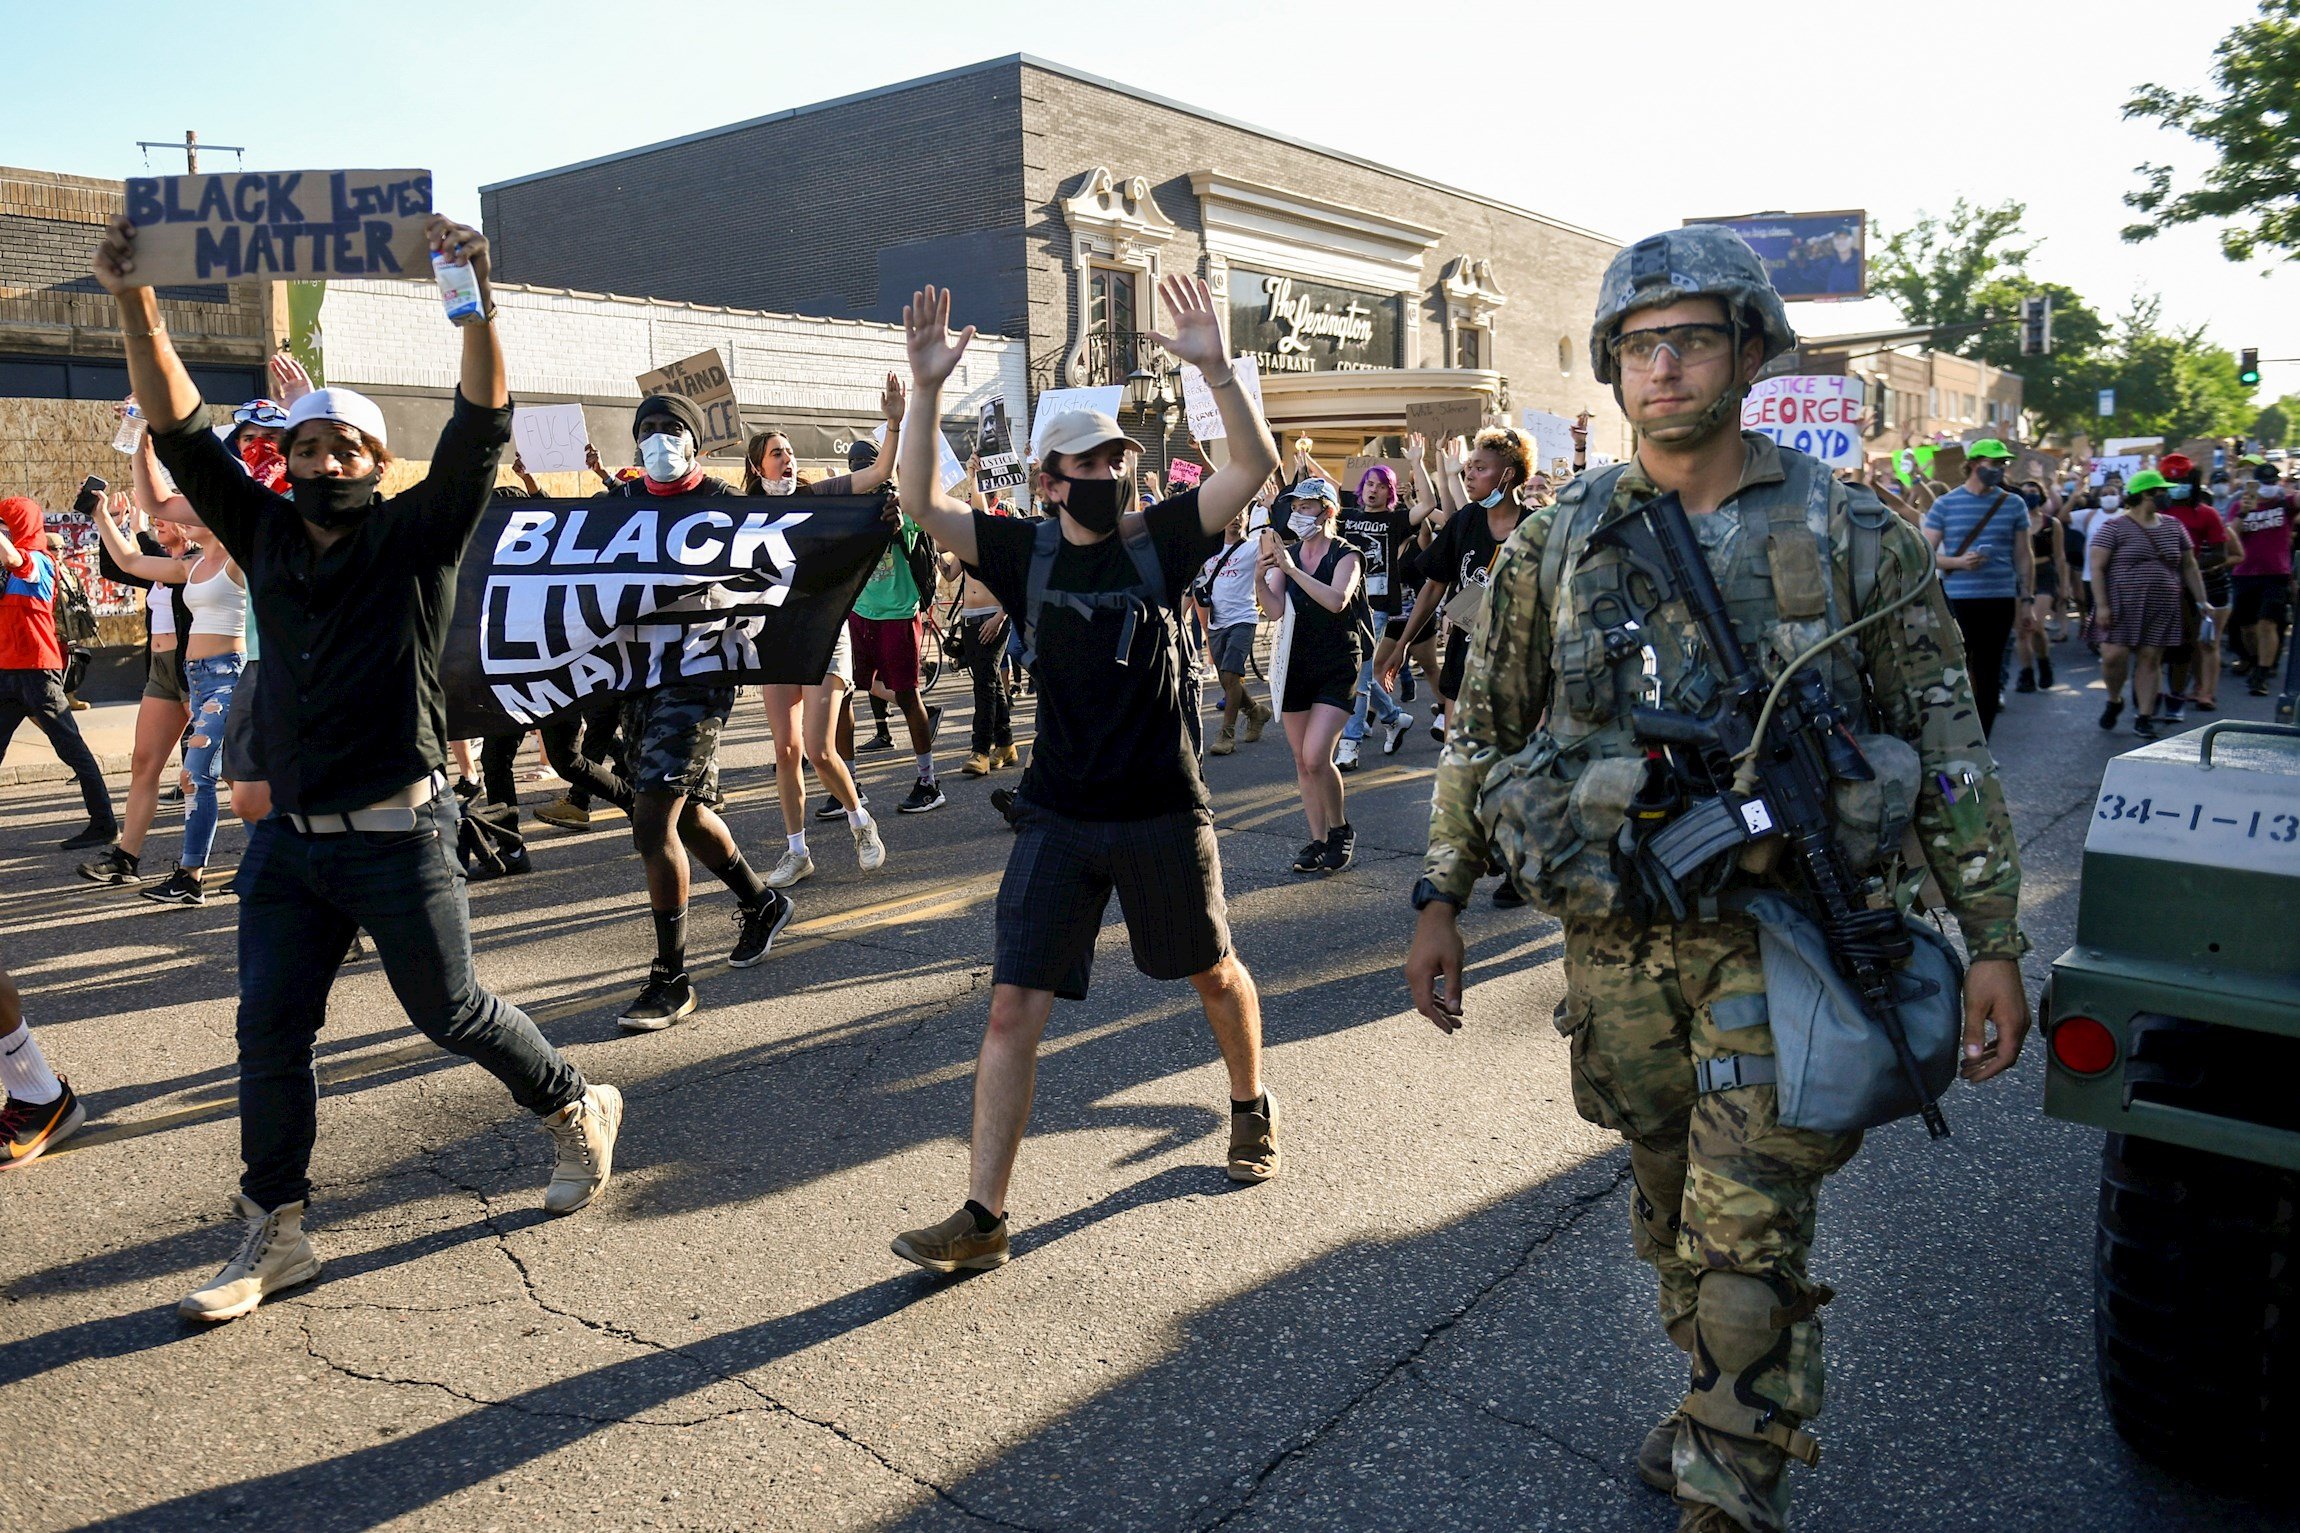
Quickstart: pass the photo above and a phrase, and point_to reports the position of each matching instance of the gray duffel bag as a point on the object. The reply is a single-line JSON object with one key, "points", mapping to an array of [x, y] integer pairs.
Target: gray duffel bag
{"points": [[1836, 1069]]}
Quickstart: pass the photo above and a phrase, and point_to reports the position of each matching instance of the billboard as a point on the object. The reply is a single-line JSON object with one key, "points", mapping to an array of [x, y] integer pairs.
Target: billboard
{"points": [[1810, 255]]}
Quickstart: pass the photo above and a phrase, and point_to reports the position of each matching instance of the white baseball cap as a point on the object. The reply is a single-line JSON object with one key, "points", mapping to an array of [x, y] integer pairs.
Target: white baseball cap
{"points": [[1077, 431], [344, 407]]}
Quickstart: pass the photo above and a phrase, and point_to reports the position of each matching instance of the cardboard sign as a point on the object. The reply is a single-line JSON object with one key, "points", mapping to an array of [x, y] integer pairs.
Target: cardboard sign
{"points": [[1441, 420], [550, 438], [270, 225], [703, 379], [1948, 466], [2129, 446], [1552, 442], [1198, 400], [1819, 415], [999, 464], [2032, 463], [1053, 402]]}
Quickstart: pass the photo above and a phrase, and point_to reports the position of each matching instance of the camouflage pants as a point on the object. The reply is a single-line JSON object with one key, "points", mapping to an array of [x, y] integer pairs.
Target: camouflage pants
{"points": [[1721, 1185]]}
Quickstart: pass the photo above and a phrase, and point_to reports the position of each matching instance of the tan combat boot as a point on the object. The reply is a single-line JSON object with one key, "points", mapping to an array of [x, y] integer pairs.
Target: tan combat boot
{"points": [[274, 1255], [1225, 742], [1654, 1456], [1004, 756], [1256, 717], [585, 1131]]}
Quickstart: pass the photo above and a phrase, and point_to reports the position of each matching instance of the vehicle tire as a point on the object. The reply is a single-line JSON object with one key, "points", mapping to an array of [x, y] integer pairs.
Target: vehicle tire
{"points": [[2194, 1281]]}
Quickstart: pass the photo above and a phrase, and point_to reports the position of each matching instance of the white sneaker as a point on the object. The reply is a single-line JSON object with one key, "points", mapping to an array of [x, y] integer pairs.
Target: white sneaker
{"points": [[793, 867], [870, 851], [585, 1131], [1395, 733], [1346, 756], [274, 1255]]}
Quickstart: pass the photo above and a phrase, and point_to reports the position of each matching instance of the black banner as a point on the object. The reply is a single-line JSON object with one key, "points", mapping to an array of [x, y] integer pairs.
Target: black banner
{"points": [[560, 600]]}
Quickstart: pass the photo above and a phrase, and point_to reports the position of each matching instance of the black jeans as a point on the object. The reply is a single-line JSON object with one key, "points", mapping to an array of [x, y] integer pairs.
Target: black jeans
{"points": [[993, 711], [497, 754], [590, 766], [1987, 624], [301, 898], [39, 696]]}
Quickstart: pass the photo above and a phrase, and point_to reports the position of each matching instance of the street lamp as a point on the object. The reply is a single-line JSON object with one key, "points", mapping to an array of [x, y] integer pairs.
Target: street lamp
{"points": [[1142, 388]]}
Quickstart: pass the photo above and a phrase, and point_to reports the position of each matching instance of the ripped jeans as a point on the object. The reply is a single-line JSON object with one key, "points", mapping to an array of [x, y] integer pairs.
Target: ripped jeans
{"points": [[209, 684]]}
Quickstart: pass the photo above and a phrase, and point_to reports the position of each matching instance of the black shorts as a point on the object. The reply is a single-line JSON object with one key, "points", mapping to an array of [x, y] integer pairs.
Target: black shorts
{"points": [[1456, 661], [240, 762], [1168, 874], [1311, 680], [671, 739], [2262, 599], [1393, 627]]}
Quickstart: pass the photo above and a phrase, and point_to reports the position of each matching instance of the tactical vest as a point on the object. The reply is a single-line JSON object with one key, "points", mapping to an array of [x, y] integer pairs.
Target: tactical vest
{"points": [[1555, 808]]}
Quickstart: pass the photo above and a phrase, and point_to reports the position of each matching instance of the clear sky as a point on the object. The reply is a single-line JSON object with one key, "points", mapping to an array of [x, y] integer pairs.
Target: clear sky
{"points": [[1624, 118]]}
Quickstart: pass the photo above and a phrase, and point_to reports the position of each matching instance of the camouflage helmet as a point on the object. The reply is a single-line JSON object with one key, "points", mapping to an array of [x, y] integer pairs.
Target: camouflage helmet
{"points": [[1697, 261]]}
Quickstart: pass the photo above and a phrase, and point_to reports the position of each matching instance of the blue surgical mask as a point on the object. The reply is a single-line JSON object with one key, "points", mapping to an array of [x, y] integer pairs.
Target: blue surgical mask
{"points": [[2177, 491], [1492, 500], [667, 458]]}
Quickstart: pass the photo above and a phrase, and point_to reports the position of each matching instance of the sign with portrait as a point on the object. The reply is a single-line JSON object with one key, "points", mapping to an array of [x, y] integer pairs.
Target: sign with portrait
{"points": [[1809, 255], [1289, 325]]}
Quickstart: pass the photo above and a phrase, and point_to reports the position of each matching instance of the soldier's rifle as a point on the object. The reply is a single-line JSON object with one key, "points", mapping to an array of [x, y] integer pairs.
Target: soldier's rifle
{"points": [[1755, 764]]}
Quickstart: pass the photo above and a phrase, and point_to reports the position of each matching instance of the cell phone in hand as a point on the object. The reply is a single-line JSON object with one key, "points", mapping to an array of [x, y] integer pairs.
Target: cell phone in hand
{"points": [[91, 495]]}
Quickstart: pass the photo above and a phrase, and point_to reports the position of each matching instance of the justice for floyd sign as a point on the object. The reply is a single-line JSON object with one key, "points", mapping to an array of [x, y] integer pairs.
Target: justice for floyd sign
{"points": [[270, 225], [561, 600], [1816, 415]]}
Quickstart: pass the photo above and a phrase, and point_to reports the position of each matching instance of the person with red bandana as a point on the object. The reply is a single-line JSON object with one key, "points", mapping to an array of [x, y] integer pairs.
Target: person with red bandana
{"points": [[671, 738], [32, 663]]}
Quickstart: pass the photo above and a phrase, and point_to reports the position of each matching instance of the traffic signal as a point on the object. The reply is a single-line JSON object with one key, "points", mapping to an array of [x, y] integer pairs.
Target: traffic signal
{"points": [[2036, 326], [2248, 367]]}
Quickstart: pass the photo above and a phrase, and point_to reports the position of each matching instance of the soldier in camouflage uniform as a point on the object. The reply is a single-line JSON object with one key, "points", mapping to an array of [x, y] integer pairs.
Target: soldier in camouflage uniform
{"points": [[1667, 1023]]}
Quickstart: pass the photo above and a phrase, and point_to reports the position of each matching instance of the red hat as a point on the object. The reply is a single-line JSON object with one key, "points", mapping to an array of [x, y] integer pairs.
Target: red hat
{"points": [[2175, 465], [21, 519]]}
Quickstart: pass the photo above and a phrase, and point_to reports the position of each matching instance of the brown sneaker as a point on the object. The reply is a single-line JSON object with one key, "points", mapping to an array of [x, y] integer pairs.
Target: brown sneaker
{"points": [[954, 1245], [566, 814], [1254, 1143]]}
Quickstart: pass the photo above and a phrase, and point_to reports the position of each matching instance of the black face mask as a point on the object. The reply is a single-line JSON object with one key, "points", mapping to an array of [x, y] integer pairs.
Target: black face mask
{"points": [[2035, 498], [334, 504], [1094, 504], [1991, 477]]}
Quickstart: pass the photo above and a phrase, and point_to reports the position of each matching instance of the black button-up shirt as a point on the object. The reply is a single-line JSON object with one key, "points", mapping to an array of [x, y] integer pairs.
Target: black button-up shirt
{"points": [[348, 705]]}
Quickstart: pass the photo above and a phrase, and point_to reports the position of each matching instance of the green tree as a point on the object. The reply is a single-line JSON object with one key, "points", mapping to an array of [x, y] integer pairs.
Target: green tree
{"points": [[1936, 270], [2274, 424], [2250, 125], [2168, 383]]}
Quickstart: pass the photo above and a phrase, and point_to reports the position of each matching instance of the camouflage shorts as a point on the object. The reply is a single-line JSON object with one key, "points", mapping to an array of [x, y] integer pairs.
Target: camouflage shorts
{"points": [[671, 739]]}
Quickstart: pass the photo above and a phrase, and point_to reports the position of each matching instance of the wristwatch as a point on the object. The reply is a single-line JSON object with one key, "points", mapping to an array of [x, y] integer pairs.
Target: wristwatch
{"points": [[1425, 892]]}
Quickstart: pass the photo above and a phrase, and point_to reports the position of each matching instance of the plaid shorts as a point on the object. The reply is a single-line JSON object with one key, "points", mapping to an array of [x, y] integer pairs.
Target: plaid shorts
{"points": [[1168, 874], [671, 735]]}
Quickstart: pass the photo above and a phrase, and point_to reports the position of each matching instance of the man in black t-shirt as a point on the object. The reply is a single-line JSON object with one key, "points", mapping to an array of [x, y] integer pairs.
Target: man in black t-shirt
{"points": [[1113, 799]]}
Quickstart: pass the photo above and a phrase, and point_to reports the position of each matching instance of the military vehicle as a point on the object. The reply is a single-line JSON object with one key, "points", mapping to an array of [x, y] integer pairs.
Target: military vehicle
{"points": [[2174, 1025]]}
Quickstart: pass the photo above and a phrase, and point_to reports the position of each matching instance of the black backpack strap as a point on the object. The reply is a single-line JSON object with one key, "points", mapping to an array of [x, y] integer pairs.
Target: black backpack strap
{"points": [[1042, 552]]}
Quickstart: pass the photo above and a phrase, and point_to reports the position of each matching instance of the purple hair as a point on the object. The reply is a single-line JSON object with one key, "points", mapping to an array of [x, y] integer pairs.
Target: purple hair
{"points": [[1385, 474]]}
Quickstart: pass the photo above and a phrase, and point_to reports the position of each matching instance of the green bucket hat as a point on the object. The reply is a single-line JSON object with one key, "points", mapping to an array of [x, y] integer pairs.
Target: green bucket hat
{"points": [[1987, 447]]}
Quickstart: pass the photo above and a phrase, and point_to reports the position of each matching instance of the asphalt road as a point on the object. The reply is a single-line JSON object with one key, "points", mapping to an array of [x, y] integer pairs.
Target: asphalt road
{"points": [[1431, 1320]]}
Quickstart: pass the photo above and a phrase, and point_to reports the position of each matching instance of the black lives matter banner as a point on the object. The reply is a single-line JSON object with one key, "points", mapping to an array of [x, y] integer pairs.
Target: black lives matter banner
{"points": [[562, 600]]}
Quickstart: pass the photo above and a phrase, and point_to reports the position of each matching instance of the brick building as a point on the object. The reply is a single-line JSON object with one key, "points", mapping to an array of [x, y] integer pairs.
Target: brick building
{"points": [[1050, 201]]}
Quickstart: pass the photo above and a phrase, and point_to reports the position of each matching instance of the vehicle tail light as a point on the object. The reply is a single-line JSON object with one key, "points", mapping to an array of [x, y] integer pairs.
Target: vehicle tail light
{"points": [[2083, 1045]]}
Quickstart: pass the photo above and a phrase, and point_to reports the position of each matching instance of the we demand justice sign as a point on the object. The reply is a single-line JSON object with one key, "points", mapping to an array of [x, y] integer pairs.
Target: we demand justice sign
{"points": [[559, 601], [272, 224]]}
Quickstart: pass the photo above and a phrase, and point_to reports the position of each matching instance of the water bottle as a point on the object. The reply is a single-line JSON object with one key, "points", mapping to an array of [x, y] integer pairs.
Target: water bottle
{"points": [[2207, 630], [130, 433], [458, 288]]}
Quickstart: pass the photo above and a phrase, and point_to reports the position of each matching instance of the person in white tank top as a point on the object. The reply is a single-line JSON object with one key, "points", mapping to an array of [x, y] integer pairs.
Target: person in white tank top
{"points": [[214, 649], [160, 713]]}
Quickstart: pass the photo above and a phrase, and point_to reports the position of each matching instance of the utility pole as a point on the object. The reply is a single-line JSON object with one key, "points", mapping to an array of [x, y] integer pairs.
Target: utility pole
{"points": [[190, 146]]}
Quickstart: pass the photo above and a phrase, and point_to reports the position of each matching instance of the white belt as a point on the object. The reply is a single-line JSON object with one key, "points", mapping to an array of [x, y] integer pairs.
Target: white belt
{"points": [[395, 813]]}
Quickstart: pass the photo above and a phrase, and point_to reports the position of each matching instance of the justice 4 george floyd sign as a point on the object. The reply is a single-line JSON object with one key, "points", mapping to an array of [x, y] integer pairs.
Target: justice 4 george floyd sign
{"points": [[1816, 415], [271, 224], [702, 378], [560, 600]]}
